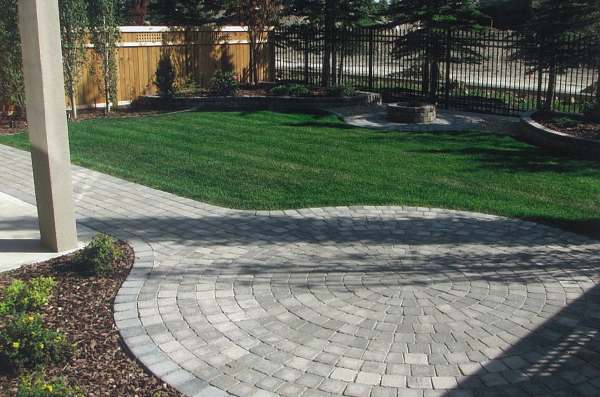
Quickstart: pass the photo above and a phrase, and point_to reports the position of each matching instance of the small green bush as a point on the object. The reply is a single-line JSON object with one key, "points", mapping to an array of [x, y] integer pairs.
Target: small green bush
{"points": [[36, 386], [281, 90], [27, 343], [566, 121], [341, 91], [165, 77], [224, 83], [591, 112], [299, 90], [99, 256], [21, 296], [291, 90]]}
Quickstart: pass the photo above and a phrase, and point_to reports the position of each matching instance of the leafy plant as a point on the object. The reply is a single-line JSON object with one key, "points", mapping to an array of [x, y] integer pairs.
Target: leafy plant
{"points": [[73, 32], [281, 90], [165, 77], [291, 90], [299, 90], [104, 34], [12, 87], [99, 256], [341, 91], [36, 386], [566, 121], [224, 83], [26, 342], [21, 296]]}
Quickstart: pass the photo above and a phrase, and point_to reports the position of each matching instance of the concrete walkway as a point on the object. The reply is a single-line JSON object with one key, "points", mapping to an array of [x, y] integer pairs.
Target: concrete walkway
{"points": [[355, 301], [19, 235]]}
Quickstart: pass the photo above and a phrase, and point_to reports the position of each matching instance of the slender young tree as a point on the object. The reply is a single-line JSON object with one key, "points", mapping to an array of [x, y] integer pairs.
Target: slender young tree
{"points": [[73, 32], [104, 30], [545, 44], [430, 40], [258, 16], [12, 87]]}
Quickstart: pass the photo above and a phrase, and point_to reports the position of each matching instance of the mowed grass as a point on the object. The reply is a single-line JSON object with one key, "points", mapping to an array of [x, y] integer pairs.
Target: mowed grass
{"points": [[266, 160]]}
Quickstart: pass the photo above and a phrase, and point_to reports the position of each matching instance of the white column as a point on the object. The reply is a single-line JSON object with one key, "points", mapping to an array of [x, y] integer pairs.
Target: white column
{"points": [[44, 89]]}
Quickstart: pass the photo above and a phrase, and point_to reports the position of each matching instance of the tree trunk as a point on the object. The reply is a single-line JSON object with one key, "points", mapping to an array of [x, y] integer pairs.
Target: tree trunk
{"points": [[106, 84], [426, 74], [341, 66], [551, 89], [334, 66], [330, 12], [73, 106], [435, 78]]}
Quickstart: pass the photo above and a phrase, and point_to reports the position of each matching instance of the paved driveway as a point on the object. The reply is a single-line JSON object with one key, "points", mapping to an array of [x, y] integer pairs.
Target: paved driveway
{"points": [[355, 301]]}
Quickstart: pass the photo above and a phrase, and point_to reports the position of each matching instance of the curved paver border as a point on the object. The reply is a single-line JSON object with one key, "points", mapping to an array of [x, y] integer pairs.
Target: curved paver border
{"points": [[535, 133]]}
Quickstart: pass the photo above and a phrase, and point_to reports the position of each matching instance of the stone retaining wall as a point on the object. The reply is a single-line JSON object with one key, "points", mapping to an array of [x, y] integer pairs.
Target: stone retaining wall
{"points": [[539, 135], [284, 103]]}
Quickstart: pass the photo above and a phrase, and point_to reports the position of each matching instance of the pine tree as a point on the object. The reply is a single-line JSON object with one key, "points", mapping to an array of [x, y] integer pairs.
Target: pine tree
{"points": [[321, 19], [545, 44], [431, 39], [73, 31]]}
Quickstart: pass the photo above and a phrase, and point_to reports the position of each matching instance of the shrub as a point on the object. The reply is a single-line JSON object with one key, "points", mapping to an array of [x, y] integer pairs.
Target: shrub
{"points": [[299, 90], [26, 343], [341, 91], [591, 112], [36, 386], [99, 256], [165, 77], [290, 90], [566, 121], [21, 296], [224, 83], [281, 90]]}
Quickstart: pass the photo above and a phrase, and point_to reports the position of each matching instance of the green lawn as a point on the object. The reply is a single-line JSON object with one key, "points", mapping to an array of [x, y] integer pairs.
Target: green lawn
{"points": [[265, 160]]}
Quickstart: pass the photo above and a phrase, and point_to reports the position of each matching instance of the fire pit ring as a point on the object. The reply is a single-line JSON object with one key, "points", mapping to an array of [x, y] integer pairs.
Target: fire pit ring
{"points": [[411, 112]]}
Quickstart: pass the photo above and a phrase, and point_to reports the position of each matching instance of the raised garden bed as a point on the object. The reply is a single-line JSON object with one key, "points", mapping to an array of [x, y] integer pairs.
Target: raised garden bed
{"points": [[561, 132], [256, 102], [81, 307]]}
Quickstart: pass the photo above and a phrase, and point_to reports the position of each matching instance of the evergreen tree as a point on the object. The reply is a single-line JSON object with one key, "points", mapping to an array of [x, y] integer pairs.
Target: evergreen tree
{"points": [[73, 31], [12, 87], [321, 19], [434, 21], [104, 30], [546, 42]]}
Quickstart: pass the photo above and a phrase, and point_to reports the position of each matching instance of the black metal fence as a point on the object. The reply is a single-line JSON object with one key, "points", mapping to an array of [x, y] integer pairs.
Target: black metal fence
{"points": [[475, 71]]}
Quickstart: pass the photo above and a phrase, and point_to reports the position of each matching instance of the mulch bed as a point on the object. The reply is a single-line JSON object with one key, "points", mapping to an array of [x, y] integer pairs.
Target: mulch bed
{"points": [[582, 129], [87, 114], [81, 307]]}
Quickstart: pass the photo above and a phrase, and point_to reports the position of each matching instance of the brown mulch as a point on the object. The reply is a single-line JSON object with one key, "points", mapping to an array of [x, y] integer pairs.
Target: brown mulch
{"points": [[583, 129], [81, 307], [87, 114]]}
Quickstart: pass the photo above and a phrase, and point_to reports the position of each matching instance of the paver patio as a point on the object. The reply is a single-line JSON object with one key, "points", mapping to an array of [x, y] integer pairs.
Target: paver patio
{"points": [[356, 301]]}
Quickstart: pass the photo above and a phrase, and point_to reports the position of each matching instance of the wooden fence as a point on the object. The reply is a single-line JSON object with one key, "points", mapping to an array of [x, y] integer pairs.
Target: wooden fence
{"points": [[196, 54]]}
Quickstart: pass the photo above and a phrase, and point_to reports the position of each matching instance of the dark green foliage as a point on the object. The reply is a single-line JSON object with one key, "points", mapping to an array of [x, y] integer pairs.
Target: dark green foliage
{"points": [[567, 121], [547, 42], [12, 88], [224, 83], [297, 90], [26, 343], [432, 43], [26, 296], [341, 91], [165, 77], [99, 256], [36, 386]]}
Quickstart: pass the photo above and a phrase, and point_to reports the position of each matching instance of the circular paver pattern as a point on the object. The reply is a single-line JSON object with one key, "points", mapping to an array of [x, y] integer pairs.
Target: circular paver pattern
{"points": [[382, 302]]}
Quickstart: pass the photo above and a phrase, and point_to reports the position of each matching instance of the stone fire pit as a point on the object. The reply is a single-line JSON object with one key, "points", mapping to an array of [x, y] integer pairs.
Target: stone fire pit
{"points": [[411, 112]]}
